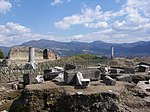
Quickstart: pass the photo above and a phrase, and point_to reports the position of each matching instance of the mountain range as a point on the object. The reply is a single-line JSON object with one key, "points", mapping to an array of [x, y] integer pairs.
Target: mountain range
{"points": [[141, 48]]}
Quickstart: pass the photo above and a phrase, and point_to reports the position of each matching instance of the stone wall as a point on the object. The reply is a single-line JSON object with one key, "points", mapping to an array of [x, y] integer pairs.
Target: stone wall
{"points": [[56, 100], [21, 53]]}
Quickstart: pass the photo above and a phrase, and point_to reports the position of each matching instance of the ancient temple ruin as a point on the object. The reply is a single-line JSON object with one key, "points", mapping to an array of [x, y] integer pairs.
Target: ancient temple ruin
{"points": [[20, 54]]}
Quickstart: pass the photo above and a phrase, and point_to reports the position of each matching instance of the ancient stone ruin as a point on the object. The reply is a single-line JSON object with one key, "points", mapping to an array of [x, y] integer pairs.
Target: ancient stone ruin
{"points": [[70, 88], [20, 54]]}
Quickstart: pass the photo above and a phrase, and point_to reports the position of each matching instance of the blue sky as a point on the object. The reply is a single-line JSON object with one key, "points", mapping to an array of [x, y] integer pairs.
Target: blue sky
{"points": [[115, 21]]}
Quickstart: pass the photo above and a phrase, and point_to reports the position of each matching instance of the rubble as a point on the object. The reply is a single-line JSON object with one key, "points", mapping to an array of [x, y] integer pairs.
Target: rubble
{"points": [[69, 66], [51, 75], [125, 77], [91, 89], [143, 67], [91, 73], [39, 79], [109, 81], [145, 86], [59, 78], [80, 81]]}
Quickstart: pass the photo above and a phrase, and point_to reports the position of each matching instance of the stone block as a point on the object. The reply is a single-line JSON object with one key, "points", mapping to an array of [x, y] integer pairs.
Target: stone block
{"points": [[47, 71], [88, 73], [80, 81], [103, 76], [91, 73], [69, 76], [50, 75], [70, 66], [59, 78], [114, 71], [125, 77], [29, 78], [26, 79], [129, 70], [109, 81]]}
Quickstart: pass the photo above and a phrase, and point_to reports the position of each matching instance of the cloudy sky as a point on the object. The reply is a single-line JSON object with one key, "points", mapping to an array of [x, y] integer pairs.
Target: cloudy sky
{"points": [[115, 21]]}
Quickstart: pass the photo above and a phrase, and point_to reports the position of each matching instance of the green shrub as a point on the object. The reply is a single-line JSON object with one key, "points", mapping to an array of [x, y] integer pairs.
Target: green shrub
{"points": [[86, 56]]}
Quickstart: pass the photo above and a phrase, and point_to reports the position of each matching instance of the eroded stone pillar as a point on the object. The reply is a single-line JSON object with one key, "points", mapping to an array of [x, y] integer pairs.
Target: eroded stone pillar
{"points": [[32, 57], [31, 54], [112, 52]]}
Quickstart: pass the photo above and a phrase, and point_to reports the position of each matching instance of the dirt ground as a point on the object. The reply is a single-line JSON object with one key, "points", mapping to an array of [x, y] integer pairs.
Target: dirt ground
{"points": [[7, 96]]}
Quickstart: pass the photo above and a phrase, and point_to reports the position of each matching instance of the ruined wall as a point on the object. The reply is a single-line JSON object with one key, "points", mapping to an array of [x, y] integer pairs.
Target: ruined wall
{"points": [[21, 53], [18, 53], [55, 100], [48, 54]]}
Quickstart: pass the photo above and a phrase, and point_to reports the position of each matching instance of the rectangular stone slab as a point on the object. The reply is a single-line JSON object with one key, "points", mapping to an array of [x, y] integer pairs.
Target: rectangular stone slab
{"points": [[90, 73]]}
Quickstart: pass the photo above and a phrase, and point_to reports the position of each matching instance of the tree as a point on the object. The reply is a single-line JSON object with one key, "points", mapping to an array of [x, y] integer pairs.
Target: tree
{"points": [[1, 54]]}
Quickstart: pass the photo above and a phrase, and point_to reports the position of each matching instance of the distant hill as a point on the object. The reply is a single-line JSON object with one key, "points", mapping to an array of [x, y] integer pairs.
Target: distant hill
{"points": [[140, 48]]}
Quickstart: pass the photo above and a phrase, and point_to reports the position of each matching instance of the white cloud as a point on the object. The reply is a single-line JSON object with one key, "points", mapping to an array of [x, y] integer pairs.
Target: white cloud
{"points": [[15, 34], [10, 31], [56, 2], [13, 29], [5, 6], [77, 37], [129, 24], [134, 18], [96, 25], [113, 36], [142, 6], [88, 18]]}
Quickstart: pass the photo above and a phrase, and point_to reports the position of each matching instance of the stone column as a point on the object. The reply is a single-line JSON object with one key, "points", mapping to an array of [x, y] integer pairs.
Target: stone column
{"points": [[112, 52], [32, 57]]}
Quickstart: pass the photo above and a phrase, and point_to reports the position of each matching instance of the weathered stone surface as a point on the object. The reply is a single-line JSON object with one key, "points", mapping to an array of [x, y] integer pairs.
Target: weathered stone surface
{"points": [[90, 73], [49, 97], [6, 98], [80, 81], [69, 66], [29, 78], [69, 76], [56, 100], [48, 54], [109, 81], [125, 77], [47, 71], [140, 77], [59, 78], [21, 53], [51, 75], [88, 103], [26, 79], [114, 71], [147, 100], [145, 86], [129, 70]]}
